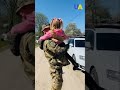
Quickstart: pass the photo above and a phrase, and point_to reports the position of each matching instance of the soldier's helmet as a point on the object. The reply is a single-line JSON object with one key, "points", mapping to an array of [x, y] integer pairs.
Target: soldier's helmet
{"points": [[22, 3], [45, 26]]}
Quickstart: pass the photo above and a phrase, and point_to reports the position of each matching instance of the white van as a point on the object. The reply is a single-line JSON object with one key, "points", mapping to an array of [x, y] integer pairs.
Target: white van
{"points": [[103, 55], [77, 50]]}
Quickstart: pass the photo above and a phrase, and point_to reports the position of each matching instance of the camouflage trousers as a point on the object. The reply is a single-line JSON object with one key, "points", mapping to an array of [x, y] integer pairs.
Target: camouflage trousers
{"points": [[55, 67], [56, 74], [27, 53]]}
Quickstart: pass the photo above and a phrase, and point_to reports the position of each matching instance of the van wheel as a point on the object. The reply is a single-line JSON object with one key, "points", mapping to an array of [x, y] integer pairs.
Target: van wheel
{"points": [[74, 57], [94, 75]]}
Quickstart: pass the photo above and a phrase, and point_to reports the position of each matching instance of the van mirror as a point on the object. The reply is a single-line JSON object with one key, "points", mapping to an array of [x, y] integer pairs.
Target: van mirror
{"points": [[88, 45], [71, 45]]}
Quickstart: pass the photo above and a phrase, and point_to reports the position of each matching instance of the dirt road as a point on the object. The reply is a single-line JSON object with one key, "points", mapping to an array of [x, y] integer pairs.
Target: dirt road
{"points": [[72, 80], [12, 75]]}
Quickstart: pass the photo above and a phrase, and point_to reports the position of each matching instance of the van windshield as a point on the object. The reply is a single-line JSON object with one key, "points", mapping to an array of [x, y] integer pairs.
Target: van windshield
{"points": [[108, 41], [79, 43]]}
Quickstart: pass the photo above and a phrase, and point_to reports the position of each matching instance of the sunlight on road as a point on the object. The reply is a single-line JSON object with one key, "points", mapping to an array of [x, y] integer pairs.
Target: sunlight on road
{"points": [[72, 80]]}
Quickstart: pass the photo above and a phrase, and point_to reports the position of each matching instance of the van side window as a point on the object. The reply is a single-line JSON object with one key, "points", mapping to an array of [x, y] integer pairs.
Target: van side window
{"points": [[89, 37], [108, 41]]}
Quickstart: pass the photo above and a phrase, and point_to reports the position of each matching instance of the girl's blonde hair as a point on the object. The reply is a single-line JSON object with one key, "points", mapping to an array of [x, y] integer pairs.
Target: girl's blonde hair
{"points": [[56, 23]]}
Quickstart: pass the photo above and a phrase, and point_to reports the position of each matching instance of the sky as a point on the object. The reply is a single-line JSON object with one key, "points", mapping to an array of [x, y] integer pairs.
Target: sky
{"points": [[63, 9]]}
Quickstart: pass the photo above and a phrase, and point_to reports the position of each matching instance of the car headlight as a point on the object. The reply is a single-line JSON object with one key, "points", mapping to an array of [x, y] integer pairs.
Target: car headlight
{"points": [[82, 57]]}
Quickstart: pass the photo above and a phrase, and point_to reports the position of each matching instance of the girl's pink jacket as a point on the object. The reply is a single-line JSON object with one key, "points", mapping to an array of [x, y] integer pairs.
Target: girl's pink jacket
{"points": [[58, 32]]}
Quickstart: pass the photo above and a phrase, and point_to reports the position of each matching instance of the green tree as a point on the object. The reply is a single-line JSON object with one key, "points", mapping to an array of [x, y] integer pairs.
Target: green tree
{"points": [[96, 12], [72, 30], [8, 14], [10, 8], [40, 19]]}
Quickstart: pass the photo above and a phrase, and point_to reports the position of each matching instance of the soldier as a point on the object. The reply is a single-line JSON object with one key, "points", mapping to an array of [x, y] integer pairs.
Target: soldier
{"points": [[60, 49], [56, 61], [55, 64], [22, 37]]}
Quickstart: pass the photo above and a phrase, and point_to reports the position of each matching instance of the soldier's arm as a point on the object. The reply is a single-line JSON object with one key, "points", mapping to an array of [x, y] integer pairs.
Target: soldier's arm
{"points": [[62, 50], [58, 49]]}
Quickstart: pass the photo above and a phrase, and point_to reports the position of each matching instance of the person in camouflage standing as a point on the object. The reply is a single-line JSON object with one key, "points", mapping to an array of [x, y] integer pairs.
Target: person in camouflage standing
{"points": [[57, 58], [22, 37], [55, 64]]}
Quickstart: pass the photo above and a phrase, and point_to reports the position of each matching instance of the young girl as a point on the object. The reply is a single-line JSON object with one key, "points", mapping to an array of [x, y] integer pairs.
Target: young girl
{"points": [[58, 36], [55, 33]]}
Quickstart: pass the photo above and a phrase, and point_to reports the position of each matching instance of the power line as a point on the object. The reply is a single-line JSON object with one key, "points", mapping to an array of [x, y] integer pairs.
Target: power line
{"points": [[73, 18]]}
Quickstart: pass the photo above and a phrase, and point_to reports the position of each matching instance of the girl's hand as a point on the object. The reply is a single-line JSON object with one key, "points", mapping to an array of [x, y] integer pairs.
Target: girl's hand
{"points": [[55, 40]]}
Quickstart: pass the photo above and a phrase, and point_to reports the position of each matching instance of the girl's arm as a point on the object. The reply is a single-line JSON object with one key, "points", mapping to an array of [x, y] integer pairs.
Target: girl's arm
{"points": [[46, 36], [27, 25], [23, 27], [56, 40]]}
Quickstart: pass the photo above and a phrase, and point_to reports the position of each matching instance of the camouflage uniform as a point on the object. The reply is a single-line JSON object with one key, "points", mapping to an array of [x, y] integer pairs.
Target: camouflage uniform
{"points": [[27, 46], [56, 62], [27, 52], [23, 45]]}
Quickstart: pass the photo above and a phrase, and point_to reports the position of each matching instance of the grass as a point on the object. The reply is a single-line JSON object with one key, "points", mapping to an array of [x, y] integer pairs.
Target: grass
{"points": [[36, 44], [3, 43]]}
